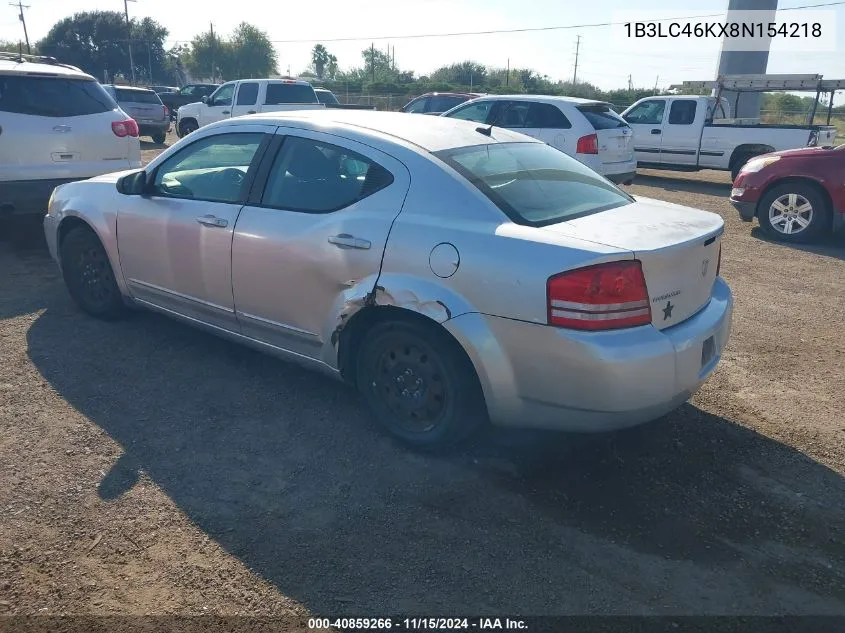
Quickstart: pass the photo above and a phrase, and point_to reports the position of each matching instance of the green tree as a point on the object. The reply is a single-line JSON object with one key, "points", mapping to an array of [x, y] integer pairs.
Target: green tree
{"points": [[17, 47], [96, 41], [323, 61], [248, 53]]}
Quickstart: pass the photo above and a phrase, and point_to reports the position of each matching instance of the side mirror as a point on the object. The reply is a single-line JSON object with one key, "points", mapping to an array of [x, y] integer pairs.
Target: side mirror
{"points": [[134, 184], [205, 99]]}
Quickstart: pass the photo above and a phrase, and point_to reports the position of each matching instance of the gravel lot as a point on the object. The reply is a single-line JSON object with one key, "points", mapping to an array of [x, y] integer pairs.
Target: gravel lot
{"points": [[146, 467]]}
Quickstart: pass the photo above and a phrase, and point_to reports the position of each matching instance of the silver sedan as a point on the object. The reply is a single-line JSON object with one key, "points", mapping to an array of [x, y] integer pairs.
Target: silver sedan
{"points": [[455, 274]]}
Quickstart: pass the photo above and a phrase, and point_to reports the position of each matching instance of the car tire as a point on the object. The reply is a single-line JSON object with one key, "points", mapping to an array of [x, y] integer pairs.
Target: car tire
{"points": [[159, 138], [419, 384], [186, 126], [781, 217], [89, 276]]}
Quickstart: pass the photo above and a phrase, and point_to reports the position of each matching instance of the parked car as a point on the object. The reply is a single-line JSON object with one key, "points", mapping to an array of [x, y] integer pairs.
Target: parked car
{"points": [[451, 272], [687, 133], [145, 106], [436, 103], [587, 130], [797, 195], [247, 96], [190, 93], [57, 124], [328, 99], [160, 89]]}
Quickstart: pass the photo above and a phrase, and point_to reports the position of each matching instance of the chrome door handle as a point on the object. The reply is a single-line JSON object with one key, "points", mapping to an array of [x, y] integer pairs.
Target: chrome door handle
{"points": [[344, 239], [212, 220]]}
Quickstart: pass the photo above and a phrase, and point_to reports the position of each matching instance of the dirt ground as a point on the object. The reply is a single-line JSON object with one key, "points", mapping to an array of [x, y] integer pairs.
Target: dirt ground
{"points": [[148, 468]]}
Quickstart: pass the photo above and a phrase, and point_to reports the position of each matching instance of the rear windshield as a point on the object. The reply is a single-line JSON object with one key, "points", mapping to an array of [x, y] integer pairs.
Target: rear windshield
{"points": [[53, 97], [602, 117], [136, 96], [290, 93], [533, 183]]}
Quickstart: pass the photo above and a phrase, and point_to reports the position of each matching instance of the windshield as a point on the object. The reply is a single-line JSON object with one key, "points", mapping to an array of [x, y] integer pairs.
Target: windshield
{"points": [[136, 96], [602, 117], [533, 183]]}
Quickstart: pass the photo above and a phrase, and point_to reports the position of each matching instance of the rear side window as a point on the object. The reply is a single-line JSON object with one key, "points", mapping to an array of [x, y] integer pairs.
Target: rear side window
{"points": [[533, 183], [136, 96], [53, 97], [290, 93], [247, 94], [512, 114], [316, 177], [546, 115], [682, 112], [441, 103], [602, 117]]}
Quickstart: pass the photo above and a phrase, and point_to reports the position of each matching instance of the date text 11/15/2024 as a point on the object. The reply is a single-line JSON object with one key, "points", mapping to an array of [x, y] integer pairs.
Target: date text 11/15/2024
{"points": [[418, 624]]}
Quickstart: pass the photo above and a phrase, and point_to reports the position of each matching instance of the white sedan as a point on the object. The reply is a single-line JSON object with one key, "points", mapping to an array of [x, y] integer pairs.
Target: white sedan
{"points": [[455, 274]]}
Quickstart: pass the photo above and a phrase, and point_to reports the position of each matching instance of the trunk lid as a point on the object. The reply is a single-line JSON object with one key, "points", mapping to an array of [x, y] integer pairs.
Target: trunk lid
{"points": [[678, 247], [144, 106], [615, 137]]}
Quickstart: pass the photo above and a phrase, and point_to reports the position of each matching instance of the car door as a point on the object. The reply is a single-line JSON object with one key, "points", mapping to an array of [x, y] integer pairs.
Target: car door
{"points": [[318, 227], [646, 120], [219, 104], [681, 135], [546, 122], [246, 99], [175, 241]]}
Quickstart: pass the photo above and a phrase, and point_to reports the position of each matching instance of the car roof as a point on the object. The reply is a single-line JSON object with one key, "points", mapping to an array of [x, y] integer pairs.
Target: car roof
{"points": [[544, 98], [131, 88], [45, 66], [451, 94], [430, 133]]}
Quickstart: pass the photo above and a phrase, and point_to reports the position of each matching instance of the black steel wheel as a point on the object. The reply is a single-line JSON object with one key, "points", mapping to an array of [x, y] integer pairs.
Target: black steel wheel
{"points": [[421, 387], [88, 275], [187, 126]]}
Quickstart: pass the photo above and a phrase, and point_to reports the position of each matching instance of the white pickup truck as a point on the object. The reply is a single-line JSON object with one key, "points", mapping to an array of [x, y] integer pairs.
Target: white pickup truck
{"points": [[246, 96], [688, 133]]}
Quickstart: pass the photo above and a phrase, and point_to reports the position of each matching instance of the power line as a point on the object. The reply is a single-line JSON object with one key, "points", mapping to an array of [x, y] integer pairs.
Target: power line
{"points": [[524, 30], [21, 7]]}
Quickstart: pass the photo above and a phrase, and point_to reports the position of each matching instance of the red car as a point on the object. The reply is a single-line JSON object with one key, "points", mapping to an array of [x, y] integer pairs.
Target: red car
{"points": [[438, 102], [797, 195]]}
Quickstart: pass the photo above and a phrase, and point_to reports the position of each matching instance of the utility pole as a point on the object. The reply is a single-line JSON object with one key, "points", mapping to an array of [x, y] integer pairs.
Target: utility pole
{"points": [[577, 50], [213, 73], [508, 75], [129, 35], [150, 60], [655, 83], [21, 7], [630, 84], [373, 60]]}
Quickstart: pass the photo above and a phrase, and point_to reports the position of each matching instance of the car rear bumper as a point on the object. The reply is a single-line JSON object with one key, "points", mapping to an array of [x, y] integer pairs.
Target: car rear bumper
{"points": [[537, 376], [624, 178], [28, 196], [148, 129]]}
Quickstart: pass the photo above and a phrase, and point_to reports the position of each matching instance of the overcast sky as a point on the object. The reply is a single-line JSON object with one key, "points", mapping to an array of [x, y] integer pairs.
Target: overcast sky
{"points": [[605, 58]]}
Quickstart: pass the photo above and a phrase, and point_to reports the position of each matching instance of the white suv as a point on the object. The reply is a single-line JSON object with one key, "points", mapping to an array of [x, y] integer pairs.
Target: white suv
{"points": [[57, 125], [587, 130]]}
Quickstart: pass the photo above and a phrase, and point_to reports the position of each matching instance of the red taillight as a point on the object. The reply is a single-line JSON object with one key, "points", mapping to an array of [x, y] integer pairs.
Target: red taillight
{"points": [[588, 145], [166, 112], [127, 127], [601, 297], [719, 261]]}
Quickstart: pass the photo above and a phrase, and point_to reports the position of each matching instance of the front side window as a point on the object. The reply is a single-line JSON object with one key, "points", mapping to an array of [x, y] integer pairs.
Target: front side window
{"points": [[53, 97], [213, 168], [682, 112], [188, 91], [248, 93], [477, 112], [223, 95], [512, 114], [417, 106], [533, 183], [648, 112], [316, 177]]}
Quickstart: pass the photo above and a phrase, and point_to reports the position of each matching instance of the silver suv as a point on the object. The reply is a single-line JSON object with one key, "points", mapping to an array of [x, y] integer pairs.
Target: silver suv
{"points": [[57, 125]]}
